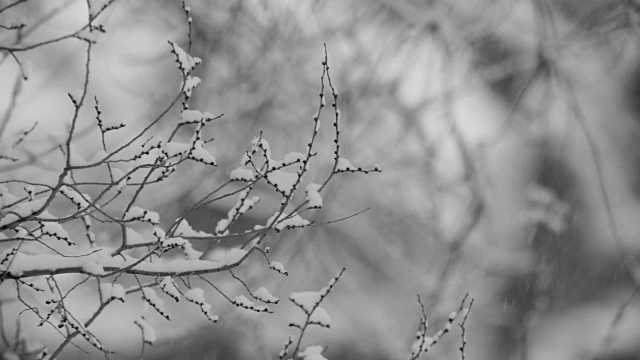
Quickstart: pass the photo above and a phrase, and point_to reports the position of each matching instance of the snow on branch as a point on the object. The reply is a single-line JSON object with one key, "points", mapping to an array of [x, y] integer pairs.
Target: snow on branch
{"points": [[196, 296], [423, 342], [39, 220], [309, 302], [112, 291], [279, 268], [265, 296], [168, 286], [186, 62], [148, 332]]}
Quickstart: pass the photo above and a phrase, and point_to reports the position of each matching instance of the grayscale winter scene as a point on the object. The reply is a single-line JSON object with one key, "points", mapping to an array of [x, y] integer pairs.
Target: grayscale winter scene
{"points": [[320, 179]]}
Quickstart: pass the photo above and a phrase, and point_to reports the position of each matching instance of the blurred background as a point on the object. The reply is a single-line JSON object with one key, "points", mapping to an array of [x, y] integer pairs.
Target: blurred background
{"points": [[506, 130]]}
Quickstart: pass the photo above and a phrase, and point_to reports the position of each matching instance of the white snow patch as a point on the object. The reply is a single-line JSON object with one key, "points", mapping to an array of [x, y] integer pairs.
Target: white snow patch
{"points": [[282, 180], [151, 297], [320, 317], [195, 295], [199, 153], [112, 291], [264, 295], [168, 286], [148, 332], [278, 267], [344, 165], [184, 229], [313, 196], [306, 300], [312, 353], [295, 221], [92, 267], [190, 84], [82, 201], [243, 301], [55, 230], [194, 116], [23, 210], [186, 62], [141, 214], [241, 174]]}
